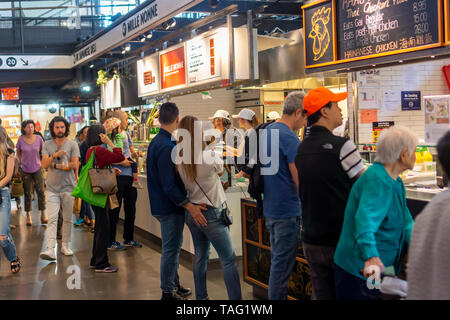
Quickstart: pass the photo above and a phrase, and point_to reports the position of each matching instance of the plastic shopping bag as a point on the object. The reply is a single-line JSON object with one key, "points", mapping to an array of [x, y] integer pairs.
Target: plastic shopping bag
{"points": [[83, 189]]}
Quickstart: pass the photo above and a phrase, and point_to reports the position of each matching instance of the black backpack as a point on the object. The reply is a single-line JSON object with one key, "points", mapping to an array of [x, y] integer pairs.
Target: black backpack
{"points": [[256, 180]]}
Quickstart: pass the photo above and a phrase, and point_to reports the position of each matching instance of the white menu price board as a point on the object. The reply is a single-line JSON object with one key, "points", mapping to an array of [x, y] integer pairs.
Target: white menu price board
{"points": [[203, 59], [148, 75], [437, 119]]}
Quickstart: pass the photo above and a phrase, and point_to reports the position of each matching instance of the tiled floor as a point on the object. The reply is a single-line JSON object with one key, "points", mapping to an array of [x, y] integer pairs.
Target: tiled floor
{"points": [[138, 276]]}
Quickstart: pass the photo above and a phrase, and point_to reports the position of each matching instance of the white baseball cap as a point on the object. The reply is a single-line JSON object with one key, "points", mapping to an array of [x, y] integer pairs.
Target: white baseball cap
{"points": [[273, 115], [246, 114], [220, 114]]}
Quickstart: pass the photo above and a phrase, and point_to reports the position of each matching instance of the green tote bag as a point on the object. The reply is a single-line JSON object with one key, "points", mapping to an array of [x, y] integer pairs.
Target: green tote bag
{"points": [[83, 189]]}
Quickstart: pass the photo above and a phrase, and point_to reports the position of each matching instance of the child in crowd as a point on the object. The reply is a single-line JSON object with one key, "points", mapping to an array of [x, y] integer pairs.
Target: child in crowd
{"points": [[113, 129]]}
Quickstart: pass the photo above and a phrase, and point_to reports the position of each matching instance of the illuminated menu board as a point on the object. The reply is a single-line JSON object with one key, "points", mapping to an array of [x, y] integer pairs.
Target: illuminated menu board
{"points": [[173, 68], [370, 28]]}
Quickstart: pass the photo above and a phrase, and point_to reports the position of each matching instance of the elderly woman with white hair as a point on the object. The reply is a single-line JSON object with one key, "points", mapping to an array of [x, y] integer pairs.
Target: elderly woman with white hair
{"points": [[377, 223]]}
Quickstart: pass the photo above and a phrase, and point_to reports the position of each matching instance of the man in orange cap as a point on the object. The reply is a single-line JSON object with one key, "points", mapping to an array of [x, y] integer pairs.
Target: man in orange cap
{"points": [[327, 166]]}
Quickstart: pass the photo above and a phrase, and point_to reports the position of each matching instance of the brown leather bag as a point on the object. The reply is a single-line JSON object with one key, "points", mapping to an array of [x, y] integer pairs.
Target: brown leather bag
{"points": [[104, 180]]}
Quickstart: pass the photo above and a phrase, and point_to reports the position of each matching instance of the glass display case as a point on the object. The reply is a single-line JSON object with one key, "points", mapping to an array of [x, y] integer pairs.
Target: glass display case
{"points": [[423, 182]]}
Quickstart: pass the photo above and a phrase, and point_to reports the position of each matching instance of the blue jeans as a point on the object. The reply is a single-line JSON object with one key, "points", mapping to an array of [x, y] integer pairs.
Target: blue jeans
{"points": [[216, 233], [284, 240], [86, 210], [172, 226], [8, 246]]}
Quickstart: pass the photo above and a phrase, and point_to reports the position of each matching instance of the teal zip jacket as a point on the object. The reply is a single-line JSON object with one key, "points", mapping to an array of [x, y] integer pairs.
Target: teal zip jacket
{"points": [[377, 222]]}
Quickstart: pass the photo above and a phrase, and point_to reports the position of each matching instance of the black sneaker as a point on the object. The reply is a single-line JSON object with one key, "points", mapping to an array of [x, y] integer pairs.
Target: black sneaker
{"points": [[172, 297], [182, 291]]}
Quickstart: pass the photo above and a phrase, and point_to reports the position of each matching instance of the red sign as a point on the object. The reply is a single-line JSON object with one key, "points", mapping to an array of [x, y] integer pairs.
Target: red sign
{"points": [[10, 94], [173, 68]]}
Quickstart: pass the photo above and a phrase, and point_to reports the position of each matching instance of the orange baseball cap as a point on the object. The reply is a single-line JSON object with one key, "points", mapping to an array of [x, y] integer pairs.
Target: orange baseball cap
{"points": [[317, 98]]}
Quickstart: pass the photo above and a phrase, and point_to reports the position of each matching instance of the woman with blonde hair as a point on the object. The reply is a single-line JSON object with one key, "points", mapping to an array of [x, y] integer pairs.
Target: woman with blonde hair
{"points": [[200, 175], [7, 163]]}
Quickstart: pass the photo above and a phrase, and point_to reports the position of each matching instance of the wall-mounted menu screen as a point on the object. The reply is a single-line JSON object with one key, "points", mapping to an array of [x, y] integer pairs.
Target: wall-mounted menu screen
{"points": [[370, 28], [318, 33]]}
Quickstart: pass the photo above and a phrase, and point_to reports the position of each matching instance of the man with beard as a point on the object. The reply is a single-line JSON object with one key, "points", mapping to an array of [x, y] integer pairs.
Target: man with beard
{"points": [[60, 156]]}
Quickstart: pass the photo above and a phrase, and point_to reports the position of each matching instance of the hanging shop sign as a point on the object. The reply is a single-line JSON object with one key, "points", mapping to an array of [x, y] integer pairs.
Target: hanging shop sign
{"points": [[437, 119], [10, 94], [148, 75], [319, 36], [377, 127], [368, 29], [203, 58], [153, 13], [19, 62], [173, 68], [111, 95], [411, 100]]}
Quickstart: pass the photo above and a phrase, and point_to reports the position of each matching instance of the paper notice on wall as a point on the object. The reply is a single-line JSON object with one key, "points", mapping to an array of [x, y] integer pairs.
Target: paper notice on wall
{"points": [[437, 117], [368, 116], [369, 98], [369, 77], [391, 101]]}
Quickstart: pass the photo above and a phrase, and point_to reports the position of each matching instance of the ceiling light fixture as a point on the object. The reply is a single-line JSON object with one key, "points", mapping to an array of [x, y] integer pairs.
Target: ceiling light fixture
{"points": [[150, 35], [213, 3]]}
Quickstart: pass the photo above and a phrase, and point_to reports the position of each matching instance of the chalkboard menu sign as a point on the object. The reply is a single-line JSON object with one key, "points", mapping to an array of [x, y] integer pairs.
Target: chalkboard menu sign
{"points": [[370, 28], [318, 20]]}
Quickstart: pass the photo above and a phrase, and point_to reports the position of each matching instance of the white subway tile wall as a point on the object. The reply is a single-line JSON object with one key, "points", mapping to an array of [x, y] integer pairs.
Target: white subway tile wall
{"points": [[426, 77], [194, 105]]}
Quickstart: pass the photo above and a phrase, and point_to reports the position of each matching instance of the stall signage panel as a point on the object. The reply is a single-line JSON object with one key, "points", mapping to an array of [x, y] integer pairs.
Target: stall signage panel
{"points": [[173, 68], [10, 94], [203, 59], [368, 28], [377, 127], [148, 75], [152, 13], [411, 100], [318, 33]]}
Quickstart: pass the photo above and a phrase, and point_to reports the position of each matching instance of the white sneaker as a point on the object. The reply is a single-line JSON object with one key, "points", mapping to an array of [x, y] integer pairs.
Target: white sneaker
{"points": [[65, 250], [49, 254]]}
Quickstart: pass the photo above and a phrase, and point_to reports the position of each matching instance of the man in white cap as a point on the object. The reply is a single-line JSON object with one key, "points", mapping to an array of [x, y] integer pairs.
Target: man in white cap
{"points": [[273, 116]]}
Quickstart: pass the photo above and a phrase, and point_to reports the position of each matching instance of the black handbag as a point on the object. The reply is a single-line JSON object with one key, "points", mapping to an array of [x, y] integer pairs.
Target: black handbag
{"points": [[225, 214]]}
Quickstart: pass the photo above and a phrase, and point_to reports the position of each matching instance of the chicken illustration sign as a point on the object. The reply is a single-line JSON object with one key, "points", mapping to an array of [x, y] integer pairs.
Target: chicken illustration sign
{"points": [[318, 33]]}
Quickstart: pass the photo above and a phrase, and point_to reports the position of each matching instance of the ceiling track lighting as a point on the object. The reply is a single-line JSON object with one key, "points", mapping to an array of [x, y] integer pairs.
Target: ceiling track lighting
{"points": [[150, 35], [169, 24]]}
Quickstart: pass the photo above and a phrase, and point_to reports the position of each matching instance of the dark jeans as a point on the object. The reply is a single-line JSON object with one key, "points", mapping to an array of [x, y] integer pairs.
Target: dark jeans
{"points": [[284, 239], [129, 196], [37, 179], [172, 226], [321, 264], [101, 238], [350, 287]]}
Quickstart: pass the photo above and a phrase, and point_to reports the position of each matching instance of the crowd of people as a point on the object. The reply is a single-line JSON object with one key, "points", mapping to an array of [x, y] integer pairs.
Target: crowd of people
{"points": [[351, 221]]}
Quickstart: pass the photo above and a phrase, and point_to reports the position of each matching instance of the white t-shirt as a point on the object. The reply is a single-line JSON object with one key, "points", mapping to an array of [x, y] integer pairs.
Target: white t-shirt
{"points": [[208, 179]]}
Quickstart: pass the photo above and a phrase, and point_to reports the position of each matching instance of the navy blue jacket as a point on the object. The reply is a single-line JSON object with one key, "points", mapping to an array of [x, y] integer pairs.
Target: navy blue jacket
{"points": [[165, 189]]}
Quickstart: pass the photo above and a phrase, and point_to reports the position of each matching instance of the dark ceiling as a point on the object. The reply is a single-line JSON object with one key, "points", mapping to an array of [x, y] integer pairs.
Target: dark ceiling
{"points": [[62, 85]]}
